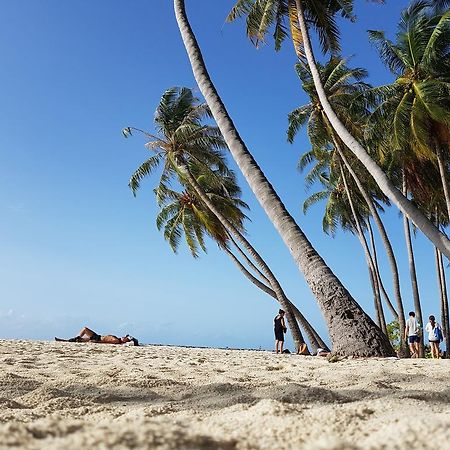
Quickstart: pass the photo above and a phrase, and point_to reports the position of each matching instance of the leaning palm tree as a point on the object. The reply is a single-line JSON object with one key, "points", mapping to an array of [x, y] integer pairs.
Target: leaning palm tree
{"points": [[185, 214], [183, 142], [416, 106], [263, 14], [351, 330], [346, 91], [345, 208]]}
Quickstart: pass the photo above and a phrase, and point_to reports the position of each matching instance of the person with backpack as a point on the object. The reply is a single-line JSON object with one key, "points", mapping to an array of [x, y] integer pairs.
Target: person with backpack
{"points": [[434, 336]]}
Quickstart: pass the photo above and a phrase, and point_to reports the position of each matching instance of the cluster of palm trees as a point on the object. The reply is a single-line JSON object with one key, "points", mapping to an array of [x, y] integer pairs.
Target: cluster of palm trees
{"points": [[370, 146]]}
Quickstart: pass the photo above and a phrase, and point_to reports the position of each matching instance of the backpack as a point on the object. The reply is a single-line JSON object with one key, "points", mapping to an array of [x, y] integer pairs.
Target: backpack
{"points": [[438, 334]]}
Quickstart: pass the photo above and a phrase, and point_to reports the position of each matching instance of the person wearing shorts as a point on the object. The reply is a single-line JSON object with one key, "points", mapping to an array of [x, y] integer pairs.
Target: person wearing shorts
{"points": [[434, 330], [412, 330], [87, 335], [279, 329]]}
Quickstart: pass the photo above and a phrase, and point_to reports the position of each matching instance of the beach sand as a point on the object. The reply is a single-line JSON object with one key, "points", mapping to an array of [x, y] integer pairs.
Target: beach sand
{"points": [[73, 396]]}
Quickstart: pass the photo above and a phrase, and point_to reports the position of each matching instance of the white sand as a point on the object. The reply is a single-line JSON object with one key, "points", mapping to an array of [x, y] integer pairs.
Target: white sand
{"points": [[73, 396]]}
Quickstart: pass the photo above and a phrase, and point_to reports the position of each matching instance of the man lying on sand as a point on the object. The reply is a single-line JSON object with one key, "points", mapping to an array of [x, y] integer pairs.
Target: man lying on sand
{"points": [[87, 335]]}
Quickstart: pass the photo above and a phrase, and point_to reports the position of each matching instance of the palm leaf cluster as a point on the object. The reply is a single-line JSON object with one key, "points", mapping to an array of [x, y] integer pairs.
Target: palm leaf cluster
{"points": [[183, 137]]}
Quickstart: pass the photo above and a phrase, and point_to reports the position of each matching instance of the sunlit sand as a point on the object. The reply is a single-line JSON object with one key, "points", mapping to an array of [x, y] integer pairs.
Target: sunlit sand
{"points": [[68, 395]]}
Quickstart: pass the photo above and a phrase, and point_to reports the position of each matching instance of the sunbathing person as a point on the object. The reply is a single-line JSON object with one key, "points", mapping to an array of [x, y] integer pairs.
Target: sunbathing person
{"points": [[87, 335]]}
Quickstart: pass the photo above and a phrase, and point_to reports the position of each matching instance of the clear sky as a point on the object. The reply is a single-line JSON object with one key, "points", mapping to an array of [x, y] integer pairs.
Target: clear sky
{"points": [[77, 248]]}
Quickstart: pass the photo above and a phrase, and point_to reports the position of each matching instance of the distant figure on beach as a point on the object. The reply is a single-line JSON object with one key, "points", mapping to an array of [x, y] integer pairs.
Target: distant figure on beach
{"points": [[412, 331], [322, 352], [279, 329], [434, 336], [87, 335]]}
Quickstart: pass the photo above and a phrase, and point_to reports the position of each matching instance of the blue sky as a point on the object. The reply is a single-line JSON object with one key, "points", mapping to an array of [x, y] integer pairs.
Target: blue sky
{"points": [[77, 248]]}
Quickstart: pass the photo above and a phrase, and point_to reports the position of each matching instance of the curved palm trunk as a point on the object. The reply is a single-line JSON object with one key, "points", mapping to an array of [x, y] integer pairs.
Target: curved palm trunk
{"points": [[313, 336], [388, 188], [293, 325], [412, 273], [248, 260], [351, 330], [376, 296], [377, 269], [369, 259], [442, 173], [384, 238], [444, 302]]}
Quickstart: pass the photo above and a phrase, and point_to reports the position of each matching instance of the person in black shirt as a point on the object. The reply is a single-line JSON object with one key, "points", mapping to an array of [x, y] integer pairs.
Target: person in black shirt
{"points": [[279, 329]]}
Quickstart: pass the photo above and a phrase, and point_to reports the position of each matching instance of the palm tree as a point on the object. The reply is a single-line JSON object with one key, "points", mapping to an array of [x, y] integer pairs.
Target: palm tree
{"points": [[185, 214], [184, 142], [262, 14], [351, 330], [346, 92], [344, 208], [417, 104]]}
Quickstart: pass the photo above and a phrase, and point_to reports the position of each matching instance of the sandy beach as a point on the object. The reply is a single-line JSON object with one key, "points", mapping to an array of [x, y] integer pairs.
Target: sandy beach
{"points": [[69, 396]]}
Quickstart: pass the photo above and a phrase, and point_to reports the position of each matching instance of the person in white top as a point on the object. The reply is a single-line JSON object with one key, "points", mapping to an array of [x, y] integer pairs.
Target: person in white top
{"points": [[412, 331], [434, 336]]}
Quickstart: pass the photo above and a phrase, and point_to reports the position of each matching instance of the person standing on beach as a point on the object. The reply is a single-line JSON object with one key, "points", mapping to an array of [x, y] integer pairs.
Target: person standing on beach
{"points": [[412, 331], [280, 329], [434, 336]]}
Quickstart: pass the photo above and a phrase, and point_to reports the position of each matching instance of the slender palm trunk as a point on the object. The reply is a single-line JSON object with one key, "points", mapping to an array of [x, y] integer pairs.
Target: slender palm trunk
{"points": [[442, 172], [444, 304], [377, 270], [248, 260], [384, 238], [412, 273], [386, 185], [351, 330], [369, 259], [376, 297], [313, 337]]}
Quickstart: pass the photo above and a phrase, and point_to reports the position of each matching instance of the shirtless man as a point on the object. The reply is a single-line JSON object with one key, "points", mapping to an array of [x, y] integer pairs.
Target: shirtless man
{"points": [[87, 335]]}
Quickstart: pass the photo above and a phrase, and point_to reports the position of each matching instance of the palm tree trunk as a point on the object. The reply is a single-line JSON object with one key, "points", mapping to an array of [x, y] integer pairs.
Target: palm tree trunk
{"points": [[413, 274], [369, 259], [377, 272], [248, 260], [351, 330], [385, 184], [313, 337], [377, 269], [444, 304], [384, 238], [442, 173], [376, 297]]}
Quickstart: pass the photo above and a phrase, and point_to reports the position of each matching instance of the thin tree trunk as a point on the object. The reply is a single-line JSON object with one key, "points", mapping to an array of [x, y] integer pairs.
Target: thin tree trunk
{"points": [[369, 259], [351, 330], [413, 274], [444, 305], [384, 238], [313, 337], [248, 260], [377, 269], [385, 184], [442, 173], [377, 272], [376, 296]]}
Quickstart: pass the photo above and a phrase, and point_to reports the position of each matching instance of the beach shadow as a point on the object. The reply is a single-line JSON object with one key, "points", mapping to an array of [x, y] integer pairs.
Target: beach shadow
{"points": [[215, 396]]}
